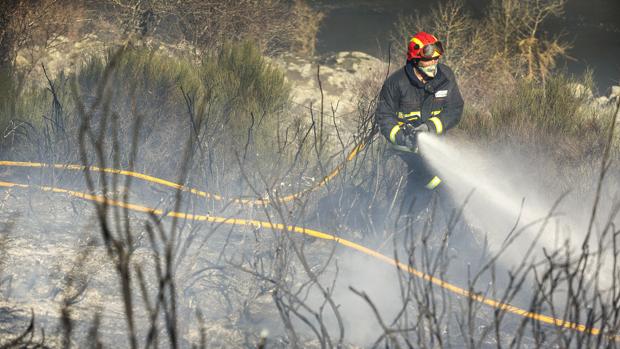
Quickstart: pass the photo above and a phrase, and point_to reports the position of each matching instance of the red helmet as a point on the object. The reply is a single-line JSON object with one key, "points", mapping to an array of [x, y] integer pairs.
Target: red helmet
{"points": [[424, 46]]}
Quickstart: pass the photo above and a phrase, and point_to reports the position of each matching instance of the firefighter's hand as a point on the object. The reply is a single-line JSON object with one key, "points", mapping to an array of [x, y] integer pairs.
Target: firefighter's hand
{"points": [[411, 141], [413, 129], [410, 138]]}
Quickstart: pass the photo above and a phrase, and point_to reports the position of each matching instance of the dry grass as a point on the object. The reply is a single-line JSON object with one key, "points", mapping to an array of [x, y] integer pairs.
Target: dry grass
{"points": [[275, 26]]}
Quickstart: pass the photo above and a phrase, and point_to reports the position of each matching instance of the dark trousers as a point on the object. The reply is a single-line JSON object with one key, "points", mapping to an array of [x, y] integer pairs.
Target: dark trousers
{"points": [[419, 203], [419, 190]]}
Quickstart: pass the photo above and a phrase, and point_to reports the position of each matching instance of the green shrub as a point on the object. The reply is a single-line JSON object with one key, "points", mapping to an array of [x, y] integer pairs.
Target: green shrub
{"points": [[239, 73], [142, 86], [553, 125], [24, 112], [244, 86], [149, 73], [233, 95], [7, 96], [538, 113], [227, 103]]}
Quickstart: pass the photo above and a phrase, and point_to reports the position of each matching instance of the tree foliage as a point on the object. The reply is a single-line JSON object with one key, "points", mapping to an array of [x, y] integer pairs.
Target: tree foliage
{"points": [[505, 44]]}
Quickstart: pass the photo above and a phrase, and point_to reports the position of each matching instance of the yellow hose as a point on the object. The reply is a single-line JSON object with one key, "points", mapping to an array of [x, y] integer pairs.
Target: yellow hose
{"points": [[320, 235], [151, 179]]}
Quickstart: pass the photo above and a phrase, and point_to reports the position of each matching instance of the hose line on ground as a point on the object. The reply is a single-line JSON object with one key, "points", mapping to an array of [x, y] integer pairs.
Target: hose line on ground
{"points": [[320, 235], [257, 201]]}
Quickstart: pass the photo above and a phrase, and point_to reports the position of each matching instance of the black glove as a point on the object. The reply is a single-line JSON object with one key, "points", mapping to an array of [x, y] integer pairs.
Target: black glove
{"points": [[411, 141], [410, 133], [410, 138], [413, 129]]}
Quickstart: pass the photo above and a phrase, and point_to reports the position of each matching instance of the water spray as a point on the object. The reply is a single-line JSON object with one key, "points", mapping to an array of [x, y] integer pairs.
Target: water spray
{"points": [[503, 196]]}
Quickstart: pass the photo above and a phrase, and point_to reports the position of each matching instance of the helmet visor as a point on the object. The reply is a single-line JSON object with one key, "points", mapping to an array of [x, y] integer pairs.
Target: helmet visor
{"points": [[432, 51]]}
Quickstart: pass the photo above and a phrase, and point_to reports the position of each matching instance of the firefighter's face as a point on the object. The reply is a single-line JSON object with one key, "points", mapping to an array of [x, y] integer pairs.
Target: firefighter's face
{"points": [[428, 67]]}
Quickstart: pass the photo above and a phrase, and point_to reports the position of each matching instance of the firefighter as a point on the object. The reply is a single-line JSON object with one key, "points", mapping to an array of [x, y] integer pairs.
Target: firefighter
{"points": [[422, 96]]}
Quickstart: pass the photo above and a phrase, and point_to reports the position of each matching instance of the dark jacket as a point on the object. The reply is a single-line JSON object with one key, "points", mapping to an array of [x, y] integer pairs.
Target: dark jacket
{"points": [[405, 99]]}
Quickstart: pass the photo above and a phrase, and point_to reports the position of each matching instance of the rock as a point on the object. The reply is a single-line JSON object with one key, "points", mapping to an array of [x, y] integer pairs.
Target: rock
{"points": [[343, 76], [338, 74], [615, 92]]}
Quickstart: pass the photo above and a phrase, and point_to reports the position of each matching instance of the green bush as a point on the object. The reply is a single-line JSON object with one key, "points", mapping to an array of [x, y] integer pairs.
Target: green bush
{"points": [[248, 91], [538, 114], [239, 74], [24, 112], [7, 96], [233, 95], [554, 125], [227, 102], [142, 86]]}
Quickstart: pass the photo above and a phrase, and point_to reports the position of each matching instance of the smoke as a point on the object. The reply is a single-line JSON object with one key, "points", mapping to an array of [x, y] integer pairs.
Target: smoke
{"points": [[379, 281], [503, 192]]}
